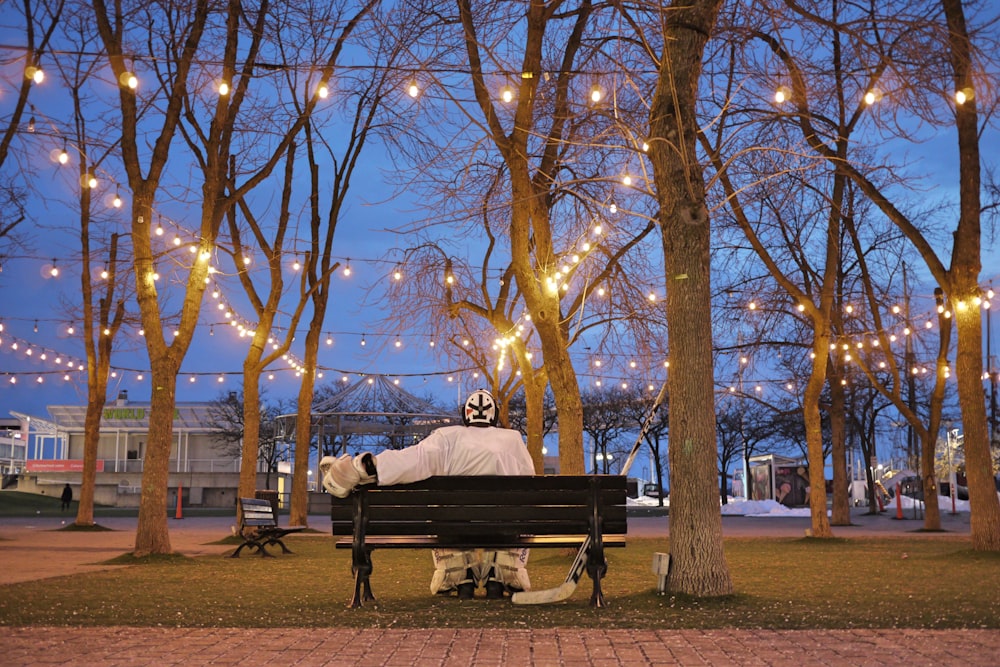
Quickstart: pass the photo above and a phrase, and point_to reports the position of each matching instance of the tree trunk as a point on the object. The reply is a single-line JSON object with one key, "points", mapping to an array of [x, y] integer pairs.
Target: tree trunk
{"points": [[299, 508], [932, 509], [984, 505], [814, 436], [152, 535], [251, 424], [91, 439], [964, 292], [534, 408], [698, 565], [841, 508]]}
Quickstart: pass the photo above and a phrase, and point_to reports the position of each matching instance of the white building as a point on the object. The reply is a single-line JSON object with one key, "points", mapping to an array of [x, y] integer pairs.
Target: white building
{"points": [[207, 476]]}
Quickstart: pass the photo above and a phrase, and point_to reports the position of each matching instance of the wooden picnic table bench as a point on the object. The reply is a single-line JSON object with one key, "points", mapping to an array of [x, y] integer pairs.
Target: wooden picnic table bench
{"points": [[489, 512], [259, 527]]}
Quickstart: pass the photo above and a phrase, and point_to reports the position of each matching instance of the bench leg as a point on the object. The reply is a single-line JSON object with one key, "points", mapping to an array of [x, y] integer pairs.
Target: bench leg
{"points": [[284, 549], [362, 587], [597, 569], [597, 597], [255, 545]]}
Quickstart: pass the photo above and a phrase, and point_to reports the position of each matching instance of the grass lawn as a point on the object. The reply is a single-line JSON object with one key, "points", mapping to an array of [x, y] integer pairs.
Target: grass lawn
{"points": [[905, 582]]}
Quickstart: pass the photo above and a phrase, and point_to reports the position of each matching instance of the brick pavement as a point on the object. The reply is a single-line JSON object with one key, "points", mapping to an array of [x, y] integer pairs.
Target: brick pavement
{"points": [[565, 647]]}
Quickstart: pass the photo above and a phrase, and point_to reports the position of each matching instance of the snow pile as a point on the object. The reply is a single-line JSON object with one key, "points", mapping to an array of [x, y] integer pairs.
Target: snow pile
{"points": [[768, 508], [761, 508]]}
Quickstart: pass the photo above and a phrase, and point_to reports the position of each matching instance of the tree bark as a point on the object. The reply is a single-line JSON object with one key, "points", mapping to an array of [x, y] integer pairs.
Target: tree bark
{"points": [[152, 535], [698, 566], [964, 292]]}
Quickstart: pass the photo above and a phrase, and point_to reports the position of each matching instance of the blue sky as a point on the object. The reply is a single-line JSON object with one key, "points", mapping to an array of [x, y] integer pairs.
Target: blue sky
{"points": [[30, 297]]}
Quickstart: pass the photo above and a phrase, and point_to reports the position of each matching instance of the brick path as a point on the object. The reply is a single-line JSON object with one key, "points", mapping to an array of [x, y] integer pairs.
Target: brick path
{"points": [[427, 648]]}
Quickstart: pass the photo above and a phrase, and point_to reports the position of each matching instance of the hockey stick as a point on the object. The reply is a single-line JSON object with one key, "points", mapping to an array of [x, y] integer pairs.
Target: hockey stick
{"points": [[564, 590]]}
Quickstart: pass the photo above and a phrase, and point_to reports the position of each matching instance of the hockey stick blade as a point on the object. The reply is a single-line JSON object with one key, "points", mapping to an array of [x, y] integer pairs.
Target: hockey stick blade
{"points": [[564, 590], [561, 592]]}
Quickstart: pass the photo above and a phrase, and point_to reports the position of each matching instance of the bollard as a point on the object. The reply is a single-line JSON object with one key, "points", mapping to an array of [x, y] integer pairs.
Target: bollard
{"points": [[899, 501], [661, 566], [180, 512]]}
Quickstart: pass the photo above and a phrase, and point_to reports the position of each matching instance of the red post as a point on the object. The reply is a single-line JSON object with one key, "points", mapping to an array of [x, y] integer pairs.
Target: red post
{"points": [[899, 501], [180, 492]]}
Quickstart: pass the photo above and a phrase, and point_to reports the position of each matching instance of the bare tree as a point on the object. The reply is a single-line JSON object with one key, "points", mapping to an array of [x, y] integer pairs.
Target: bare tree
{"points": [[941, 57], [180, 44], [604, 422], [227, 415], [40, 19], [675, 36]]}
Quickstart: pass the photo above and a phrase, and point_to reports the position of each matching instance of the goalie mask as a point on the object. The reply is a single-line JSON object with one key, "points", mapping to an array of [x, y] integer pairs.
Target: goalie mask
{"points": [[480, 409]]}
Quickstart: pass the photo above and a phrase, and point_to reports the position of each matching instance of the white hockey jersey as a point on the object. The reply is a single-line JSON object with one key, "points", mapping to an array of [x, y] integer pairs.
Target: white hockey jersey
{"points": [[456, 450]]}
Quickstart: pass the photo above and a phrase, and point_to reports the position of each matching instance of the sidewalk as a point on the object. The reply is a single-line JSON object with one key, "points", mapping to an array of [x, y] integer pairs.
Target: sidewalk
{"points": [[23, 540]]}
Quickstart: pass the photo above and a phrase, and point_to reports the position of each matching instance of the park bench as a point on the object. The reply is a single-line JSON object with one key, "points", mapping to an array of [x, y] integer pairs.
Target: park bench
{"points": [[259, 527], [489, 512]]}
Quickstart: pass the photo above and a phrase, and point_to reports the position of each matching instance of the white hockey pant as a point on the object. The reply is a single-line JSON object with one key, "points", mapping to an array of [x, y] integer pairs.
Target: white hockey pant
{"points": [[508, 567], [450, 568]]}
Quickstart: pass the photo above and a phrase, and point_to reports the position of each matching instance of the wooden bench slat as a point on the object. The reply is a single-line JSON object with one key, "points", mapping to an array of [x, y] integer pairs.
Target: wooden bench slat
{"points": [[491, 512], [502, 483], [427, 541]]}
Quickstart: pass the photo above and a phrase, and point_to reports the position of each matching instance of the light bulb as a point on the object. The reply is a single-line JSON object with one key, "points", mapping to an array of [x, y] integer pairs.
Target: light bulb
{"points": [[595, 94], [117, 201], [129, 80], [507, 94], [323, 92], [413, 89], [63, 156], [223, 88]]}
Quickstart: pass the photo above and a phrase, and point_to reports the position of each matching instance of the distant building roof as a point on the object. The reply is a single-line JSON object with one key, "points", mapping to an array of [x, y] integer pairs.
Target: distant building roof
{"points": [[129, 416], [376, 406]]}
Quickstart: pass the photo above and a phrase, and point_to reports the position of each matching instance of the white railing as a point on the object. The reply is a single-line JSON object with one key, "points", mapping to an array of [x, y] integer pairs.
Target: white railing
{"points": [[191, 465]]}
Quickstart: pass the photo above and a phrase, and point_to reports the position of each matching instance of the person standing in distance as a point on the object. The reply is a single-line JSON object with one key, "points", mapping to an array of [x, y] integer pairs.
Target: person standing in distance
{"points": [[478, 447]]}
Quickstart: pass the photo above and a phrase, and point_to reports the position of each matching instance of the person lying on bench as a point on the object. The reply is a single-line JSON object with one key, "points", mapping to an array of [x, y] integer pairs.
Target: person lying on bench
{"points": [[479, 447]]}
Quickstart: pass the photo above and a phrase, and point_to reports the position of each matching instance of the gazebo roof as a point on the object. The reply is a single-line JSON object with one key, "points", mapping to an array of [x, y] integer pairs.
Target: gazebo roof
{"points": [[376, 406]]}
